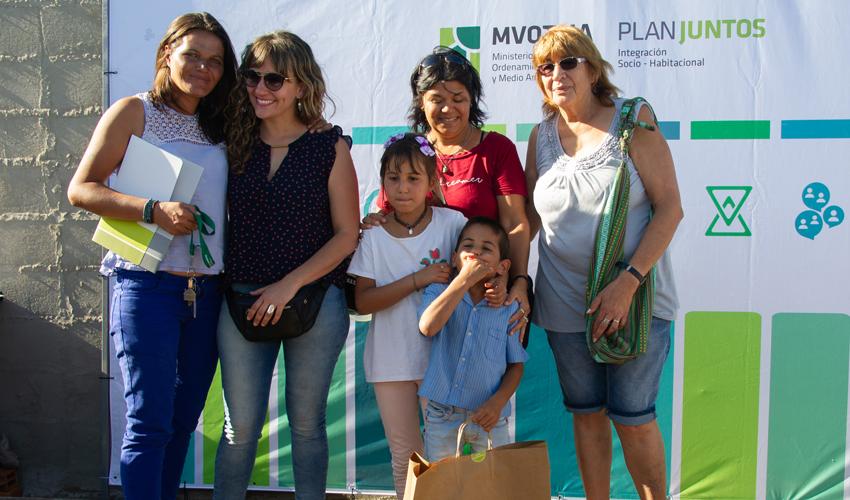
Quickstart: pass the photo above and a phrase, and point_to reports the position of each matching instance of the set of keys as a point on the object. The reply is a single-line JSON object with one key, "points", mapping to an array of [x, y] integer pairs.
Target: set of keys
{"points": [[190, 295]]}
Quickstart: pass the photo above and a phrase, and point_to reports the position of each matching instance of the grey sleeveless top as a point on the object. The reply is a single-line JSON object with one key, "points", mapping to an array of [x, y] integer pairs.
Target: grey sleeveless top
{"points": [[569, 196]]}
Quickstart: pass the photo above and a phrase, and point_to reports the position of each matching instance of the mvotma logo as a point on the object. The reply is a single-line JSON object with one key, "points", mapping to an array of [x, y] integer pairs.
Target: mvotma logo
{"points": [[466, 40]]}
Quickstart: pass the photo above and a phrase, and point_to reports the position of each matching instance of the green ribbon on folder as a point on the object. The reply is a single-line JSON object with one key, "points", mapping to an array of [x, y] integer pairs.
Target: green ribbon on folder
{"points": [[206, 226]]}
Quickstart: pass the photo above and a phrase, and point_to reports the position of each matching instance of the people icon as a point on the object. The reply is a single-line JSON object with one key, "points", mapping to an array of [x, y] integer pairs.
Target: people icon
{"points": [[833, 216], [820, 214]]}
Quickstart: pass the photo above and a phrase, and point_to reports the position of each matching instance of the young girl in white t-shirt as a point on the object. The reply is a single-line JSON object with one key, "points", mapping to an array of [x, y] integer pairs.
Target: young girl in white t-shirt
{"points": [[393, 263]]}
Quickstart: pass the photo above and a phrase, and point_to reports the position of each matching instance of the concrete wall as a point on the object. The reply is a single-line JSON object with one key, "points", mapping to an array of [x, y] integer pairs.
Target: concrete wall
{"points": [[50, 96]]}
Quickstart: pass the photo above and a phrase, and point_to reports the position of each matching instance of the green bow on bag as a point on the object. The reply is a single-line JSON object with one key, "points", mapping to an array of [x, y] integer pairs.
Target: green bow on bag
{"points": [[629, 342]]}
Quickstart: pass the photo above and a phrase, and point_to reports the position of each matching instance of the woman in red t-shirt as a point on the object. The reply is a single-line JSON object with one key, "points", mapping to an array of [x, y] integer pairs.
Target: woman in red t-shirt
{"points": [[480, 172]]}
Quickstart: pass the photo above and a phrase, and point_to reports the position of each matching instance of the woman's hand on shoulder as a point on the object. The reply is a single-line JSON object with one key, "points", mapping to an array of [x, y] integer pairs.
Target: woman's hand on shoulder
{"points": [[374, 219]]}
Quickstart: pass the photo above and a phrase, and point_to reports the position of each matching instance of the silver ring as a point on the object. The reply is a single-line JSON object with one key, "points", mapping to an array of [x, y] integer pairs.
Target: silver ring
{"points": [[271, 309], [606, 320], [525, 318]]}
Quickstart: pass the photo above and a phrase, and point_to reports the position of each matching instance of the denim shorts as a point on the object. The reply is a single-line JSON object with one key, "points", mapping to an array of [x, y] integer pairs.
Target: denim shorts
{"points": [[442, 423], [626, 391]]}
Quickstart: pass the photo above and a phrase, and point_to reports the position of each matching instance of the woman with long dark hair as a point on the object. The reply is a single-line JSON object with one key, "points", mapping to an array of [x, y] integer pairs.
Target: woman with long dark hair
{"points": [[166, 345]]}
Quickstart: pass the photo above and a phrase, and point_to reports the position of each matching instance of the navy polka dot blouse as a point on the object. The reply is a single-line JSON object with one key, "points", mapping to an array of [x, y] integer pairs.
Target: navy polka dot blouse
{"points": [[275, 226]]}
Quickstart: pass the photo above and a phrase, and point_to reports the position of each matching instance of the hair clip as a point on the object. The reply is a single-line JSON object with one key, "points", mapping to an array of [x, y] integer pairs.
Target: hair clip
{"points": [[424, 146]]}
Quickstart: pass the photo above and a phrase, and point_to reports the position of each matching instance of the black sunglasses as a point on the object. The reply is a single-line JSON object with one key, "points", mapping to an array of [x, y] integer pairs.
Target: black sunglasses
{"points": [[274, 81], [566, 64], [443, 55]]}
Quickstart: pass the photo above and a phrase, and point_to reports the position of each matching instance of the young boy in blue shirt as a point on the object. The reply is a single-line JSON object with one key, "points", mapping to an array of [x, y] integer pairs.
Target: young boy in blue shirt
{"points": [[475, 366]]}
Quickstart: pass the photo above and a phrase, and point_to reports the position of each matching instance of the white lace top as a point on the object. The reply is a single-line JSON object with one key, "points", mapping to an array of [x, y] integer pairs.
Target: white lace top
{"points": [[182, 135], [569, 196]]}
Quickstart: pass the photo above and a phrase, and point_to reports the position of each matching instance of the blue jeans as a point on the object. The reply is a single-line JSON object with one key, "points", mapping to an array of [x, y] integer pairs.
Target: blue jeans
{"points": [[167, 360], [627, 391], [442, 423], [246, 373]]}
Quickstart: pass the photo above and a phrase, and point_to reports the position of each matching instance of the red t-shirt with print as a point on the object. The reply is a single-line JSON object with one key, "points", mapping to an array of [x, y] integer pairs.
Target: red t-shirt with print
{"points": [[476, 177]]}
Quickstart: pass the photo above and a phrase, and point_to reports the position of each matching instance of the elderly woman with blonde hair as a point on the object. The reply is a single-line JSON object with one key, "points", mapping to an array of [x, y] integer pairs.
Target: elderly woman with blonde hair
{"points": [[574, 155]]}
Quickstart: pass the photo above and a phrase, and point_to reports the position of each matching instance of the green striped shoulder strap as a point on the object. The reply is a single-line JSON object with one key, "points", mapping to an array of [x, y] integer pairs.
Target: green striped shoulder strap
{"points": [[630, 341]]}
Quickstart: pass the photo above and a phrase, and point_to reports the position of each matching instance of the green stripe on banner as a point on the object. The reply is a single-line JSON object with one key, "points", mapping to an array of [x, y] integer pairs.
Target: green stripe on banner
{"points": [[284, 438], [211, 429], [260, 473], [720, 405], [731, 129], [374, 471], [496, 127], [815, 129], [541, 414], [809, 356], [375, 135]]}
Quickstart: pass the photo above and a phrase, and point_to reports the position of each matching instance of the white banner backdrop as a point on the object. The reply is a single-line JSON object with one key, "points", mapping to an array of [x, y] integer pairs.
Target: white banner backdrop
{"points": [[752, 99]]}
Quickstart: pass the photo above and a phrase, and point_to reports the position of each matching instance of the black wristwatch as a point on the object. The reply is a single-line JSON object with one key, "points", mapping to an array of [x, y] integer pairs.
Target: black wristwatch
{"points": [[631, 270]]}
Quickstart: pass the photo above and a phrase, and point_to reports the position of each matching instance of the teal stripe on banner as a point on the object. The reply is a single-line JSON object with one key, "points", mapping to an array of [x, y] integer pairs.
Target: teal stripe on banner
{"points": [[808, 406], [670, 130], [815, 129], [540, 414], [188, 475], [374, 471], [523, 131], [375, 135]]}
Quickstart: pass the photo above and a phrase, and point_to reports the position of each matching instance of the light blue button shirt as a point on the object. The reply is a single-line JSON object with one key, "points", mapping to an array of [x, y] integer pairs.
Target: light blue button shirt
{"points": [[470, 354]]}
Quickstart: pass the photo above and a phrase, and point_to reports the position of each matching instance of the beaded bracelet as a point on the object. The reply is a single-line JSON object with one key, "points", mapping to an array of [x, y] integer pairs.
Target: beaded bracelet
{"points": [[147, 212]]}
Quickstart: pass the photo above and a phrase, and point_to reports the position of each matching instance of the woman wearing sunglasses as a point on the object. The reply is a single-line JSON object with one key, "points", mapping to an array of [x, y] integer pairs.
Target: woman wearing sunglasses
{"points": [[573, 155], [166, 347], [293, 210]]}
